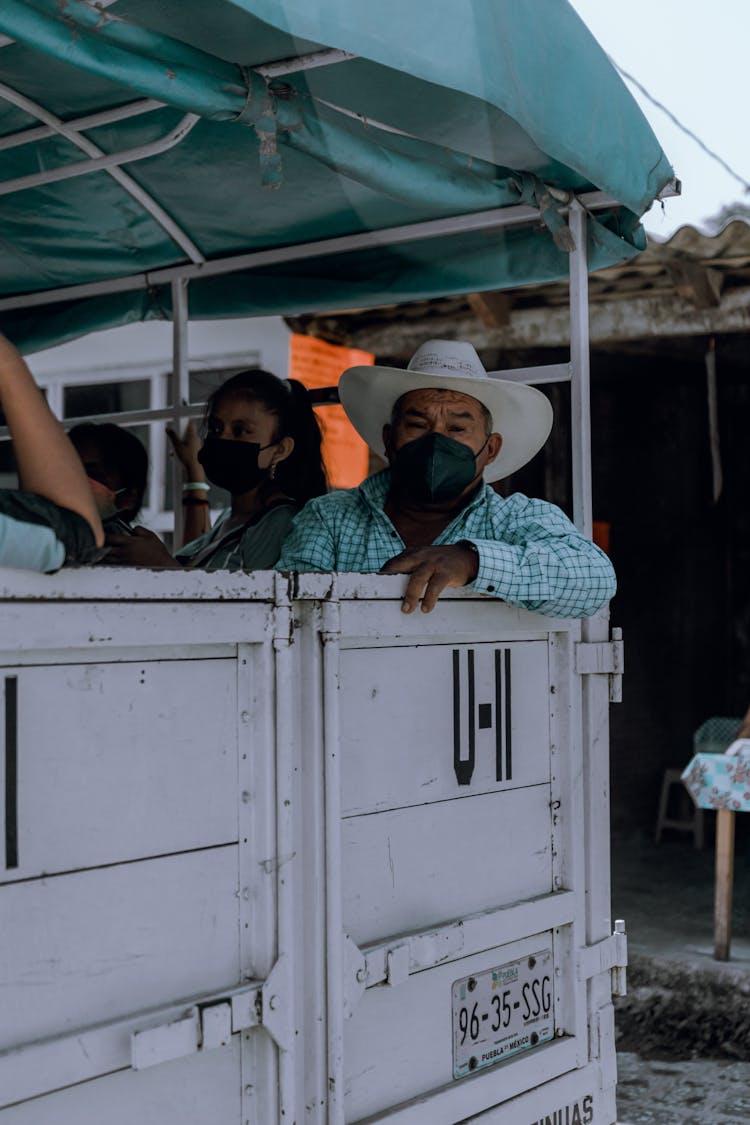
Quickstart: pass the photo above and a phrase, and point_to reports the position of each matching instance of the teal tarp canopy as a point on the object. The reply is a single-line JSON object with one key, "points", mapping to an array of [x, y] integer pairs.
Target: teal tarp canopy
{"points": [[446, 108]]}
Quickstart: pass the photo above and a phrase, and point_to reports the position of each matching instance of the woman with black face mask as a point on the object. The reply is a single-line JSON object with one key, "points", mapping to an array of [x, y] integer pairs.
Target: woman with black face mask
{"points": [[262, 446]]}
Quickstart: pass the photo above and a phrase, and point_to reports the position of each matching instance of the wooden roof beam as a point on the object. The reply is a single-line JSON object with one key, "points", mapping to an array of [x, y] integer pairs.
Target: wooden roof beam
{"points": [[692, 280], [492, 308]]}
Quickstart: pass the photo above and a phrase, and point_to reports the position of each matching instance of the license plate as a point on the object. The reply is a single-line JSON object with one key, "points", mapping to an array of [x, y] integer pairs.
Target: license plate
{"points": [[502, 1011]]}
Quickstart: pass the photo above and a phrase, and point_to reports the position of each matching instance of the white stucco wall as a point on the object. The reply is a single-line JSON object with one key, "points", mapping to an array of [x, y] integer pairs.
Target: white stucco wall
{"points": [[138, 344]]}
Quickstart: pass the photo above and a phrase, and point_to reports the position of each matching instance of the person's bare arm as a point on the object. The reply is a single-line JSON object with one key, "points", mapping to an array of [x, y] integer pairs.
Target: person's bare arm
{"points": [[48, 465]]}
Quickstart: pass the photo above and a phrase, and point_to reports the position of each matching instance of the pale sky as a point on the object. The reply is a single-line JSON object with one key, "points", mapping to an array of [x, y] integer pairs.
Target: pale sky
{"points": [[692, 55]]}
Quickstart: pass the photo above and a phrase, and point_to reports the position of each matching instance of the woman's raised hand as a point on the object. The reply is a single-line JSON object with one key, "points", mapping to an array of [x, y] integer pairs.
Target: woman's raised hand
{"points": [[186, 449]]}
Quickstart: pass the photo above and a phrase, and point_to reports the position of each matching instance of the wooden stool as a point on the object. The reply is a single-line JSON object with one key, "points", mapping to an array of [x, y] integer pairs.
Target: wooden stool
{"points": [[691, 821]]}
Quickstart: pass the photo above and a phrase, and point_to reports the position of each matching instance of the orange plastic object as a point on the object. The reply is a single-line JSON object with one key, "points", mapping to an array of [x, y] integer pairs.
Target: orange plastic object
{"points": [[319, 364]]}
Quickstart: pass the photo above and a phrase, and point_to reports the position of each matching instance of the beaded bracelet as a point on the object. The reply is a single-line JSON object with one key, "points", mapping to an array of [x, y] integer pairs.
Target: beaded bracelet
{"points": [[195, 500], [195, 486]]}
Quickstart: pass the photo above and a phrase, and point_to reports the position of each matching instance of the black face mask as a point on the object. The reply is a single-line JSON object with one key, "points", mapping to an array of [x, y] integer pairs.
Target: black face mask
{"points": [[434, 468], [233, 465]]}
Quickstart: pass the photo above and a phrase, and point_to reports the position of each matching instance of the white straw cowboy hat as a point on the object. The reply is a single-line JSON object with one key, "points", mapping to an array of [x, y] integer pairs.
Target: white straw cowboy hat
{"points": [[520, 413]]}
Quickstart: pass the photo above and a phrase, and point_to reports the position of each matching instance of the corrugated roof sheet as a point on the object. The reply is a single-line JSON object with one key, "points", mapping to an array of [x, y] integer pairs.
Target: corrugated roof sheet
{"points": [[703, 269]]}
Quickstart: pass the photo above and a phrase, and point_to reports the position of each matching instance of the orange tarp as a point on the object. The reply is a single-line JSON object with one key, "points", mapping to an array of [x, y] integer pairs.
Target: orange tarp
{"points": [[601, 534], [318, 364]]}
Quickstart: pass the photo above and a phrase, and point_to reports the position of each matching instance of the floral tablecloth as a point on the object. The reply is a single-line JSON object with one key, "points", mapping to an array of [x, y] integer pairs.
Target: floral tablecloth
{"points": [[719, 781]]}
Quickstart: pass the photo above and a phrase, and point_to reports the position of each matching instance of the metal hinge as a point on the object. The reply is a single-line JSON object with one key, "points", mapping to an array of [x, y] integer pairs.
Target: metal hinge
{"points": [[355, 976], [608, 956], [212, 1021], [603, 658], [275, 1007]]}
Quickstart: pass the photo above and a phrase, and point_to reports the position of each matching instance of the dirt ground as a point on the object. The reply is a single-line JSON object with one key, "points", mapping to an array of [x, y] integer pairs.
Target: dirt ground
{"points": [[683, 1047], [699, 1092], [682, 1012], [684, 1028]]}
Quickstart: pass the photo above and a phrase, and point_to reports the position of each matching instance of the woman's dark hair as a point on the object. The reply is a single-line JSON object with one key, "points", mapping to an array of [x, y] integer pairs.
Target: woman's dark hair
{"points": [[301, 475], [120, 452]]}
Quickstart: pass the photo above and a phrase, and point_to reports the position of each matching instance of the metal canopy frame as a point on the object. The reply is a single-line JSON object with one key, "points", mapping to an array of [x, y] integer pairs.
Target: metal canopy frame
{"points": [[111, 162], [495, 219], [576, 371], [179, 277]]}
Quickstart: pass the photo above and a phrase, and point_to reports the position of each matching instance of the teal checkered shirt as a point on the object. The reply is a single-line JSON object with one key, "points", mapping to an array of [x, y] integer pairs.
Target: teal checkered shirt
{"points": [[530, 554]]}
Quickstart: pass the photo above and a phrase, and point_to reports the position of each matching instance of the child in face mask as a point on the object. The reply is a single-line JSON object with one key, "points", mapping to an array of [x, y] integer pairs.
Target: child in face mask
{"points": [[117, 467], [262, 446]]}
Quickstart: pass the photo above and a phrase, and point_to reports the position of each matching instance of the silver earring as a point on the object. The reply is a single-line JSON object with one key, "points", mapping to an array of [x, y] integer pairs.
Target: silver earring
{"points": [[272, 471]]}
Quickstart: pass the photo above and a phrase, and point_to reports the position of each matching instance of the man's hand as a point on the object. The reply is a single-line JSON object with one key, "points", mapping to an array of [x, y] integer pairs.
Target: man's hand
{"points": [[431, 570], [142, 548]]}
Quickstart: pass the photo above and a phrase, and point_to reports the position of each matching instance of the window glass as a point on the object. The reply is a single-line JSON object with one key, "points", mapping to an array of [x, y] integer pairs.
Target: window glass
{"points": [[106, 398], [204, 382]]}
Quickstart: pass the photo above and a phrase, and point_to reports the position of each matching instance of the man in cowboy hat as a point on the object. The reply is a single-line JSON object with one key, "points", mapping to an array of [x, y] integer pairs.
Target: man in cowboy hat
{"points": [[447, 429]]}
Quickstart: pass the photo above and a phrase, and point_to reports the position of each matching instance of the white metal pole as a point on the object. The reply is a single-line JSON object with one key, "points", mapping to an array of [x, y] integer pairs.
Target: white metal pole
{"points": [[158, 444], [134, 189], [594, 688], [180, 390], [286, 719], [257, 704], [103, 163], [334, 909], [580, 405]]}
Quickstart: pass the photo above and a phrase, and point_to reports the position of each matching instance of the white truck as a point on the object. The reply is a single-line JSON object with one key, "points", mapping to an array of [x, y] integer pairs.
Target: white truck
{"points": [[275, 852]]}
